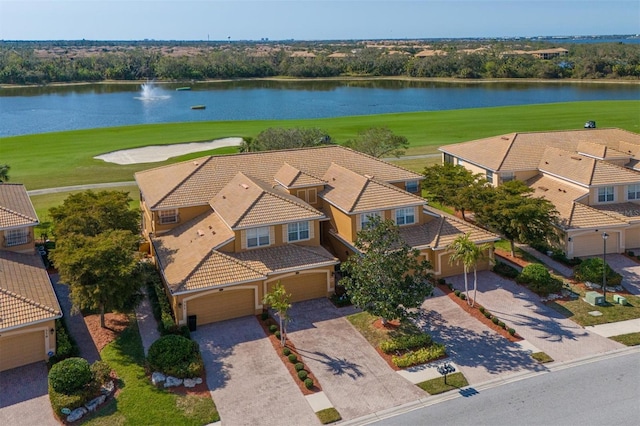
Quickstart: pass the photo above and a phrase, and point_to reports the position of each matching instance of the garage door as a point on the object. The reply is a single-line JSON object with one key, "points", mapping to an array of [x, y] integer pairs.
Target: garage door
{"points": [[593, 245], [633, 238], [21, 349], [222, 305], [304, 286]]}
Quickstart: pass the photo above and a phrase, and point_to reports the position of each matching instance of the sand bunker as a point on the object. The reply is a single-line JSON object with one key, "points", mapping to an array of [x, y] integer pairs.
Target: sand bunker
{"points": [[157, 153]]}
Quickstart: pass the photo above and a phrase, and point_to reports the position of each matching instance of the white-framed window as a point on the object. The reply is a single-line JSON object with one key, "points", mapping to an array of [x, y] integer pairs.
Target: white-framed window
{"points": [[365, 218], [16, 237], [489, 176], [298, 231], [168, 216], [405, 216], [411, 186], [633, 192], [605, 194], [258, 237], [460, 162]]}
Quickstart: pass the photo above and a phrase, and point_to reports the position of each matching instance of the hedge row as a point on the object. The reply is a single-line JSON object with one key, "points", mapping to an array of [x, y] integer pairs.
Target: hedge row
{"points": [[176, 356], [160, 304], [66, 346], [420, 356], [409, 342]]}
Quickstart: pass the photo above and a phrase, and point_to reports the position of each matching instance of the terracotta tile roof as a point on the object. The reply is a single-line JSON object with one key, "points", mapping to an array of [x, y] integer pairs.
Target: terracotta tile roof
{"points": [[523, 151], [245, 202], [560, 193], [610, 174], [26, 293], [628, 212], [272, 260], [574, 167], [584, 216], [290, 177], [599, 151], [198, 181], [15, 206], [353, 193]]}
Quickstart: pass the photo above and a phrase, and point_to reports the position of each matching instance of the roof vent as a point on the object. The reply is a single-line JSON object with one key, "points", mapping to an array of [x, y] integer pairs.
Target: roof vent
{"points": [[195, 163], [543, 188], [368, 176], [574, 157], [505, 138], [200, 233], [244, 185]]}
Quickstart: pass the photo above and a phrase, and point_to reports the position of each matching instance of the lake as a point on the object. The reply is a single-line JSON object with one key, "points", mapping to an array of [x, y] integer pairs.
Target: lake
{"points": [[31, 110]]}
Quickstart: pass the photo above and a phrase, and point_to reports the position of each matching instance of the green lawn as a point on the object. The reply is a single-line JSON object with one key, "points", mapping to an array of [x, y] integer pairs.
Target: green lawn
{"points": [[66, 158], [578, 310], [631, 339], [437, 386], [141, 403]]}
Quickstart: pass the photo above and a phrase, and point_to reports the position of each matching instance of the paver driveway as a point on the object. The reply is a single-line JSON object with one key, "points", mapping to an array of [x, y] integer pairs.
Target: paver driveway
{"points": [[23, 396], [248, 382], [479, 352], [629, 269], [353, 376], [546, 329]]}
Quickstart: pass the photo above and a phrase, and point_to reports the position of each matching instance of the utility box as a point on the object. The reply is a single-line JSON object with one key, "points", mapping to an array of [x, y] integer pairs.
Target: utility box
{"points": [[594, 298], [619, 299]]}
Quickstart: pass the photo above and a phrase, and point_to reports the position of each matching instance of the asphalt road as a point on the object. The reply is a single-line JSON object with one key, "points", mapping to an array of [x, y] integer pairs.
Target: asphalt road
{"points": [[604, 392]]}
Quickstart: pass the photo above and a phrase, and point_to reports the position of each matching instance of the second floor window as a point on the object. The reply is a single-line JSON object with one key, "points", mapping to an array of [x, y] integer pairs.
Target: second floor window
{"points": [[298, 231], [258, 237], [168, 216], [365, 218], [16, 237], [489, 176], [605, 194], [405, 216], [412, 186], [633, 192]]}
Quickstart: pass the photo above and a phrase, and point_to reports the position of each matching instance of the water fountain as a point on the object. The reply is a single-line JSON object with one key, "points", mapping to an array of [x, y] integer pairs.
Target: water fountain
{"points": [[149, 92]]}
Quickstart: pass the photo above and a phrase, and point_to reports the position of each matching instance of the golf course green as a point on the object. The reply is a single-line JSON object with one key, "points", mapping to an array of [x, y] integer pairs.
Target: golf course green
{"points": [[66, 158]]}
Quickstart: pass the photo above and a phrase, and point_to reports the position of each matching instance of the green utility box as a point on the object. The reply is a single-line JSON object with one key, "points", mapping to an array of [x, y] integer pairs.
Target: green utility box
{"points": [[594, 298], [619, 299]]}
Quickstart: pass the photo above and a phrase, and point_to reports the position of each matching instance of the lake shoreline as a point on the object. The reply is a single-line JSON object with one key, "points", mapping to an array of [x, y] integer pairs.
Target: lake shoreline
{"points": [[344, 78]]}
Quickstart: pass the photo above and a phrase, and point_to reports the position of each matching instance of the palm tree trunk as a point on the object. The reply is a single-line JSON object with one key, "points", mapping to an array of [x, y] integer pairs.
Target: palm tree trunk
{"points": [[475, 285], [466, 284], [513, 248]]}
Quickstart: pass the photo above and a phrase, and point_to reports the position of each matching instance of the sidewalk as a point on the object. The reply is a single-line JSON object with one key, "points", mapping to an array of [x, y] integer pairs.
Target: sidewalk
{"points": [[558, 267], [147, 324], [616, 328]]}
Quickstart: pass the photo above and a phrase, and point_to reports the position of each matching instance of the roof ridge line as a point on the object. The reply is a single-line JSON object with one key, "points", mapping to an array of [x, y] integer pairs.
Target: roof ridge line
{"points": [[307, 249], [28, 300], [237, 261], [186, 178], [18, 213]]}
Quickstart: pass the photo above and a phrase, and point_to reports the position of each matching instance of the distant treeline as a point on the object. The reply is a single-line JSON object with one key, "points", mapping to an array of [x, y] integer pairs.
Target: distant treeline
{"points": [[53, 62]]}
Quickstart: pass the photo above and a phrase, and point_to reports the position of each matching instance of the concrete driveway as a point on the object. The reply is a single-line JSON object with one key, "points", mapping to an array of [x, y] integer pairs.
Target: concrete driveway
{"points": [[479, 352], [24, 398], [629, 269], [353, 376], [541, 326], [248, 382]]}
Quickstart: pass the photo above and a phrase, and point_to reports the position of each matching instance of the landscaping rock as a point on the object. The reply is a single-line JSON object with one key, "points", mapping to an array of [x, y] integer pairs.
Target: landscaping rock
{"points": [[198, 380], [172, 382], [76, 414], [157, 378], [108, 388], [95, 403], [190, 383]]}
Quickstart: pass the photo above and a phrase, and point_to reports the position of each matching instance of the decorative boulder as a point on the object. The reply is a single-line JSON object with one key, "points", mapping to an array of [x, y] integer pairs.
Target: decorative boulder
{"points": [[157, 378], [172, 381], [108, 388], [95, 403], [190, 383], [76, 414]]}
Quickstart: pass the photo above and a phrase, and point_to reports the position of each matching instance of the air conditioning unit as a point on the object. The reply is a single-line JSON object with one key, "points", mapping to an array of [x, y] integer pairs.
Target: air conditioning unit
{"points": [[594, 298]]}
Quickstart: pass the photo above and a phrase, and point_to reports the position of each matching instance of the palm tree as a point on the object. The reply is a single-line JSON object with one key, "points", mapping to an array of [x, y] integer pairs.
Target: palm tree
{"points": [[4, 172], [466, 251]]}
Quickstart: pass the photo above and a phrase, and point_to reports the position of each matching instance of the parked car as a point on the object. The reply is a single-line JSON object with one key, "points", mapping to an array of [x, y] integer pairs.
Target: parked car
{"points": [[590, 125]]}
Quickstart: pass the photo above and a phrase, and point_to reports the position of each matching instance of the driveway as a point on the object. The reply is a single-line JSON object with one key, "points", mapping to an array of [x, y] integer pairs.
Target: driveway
{"points": [[24, 398], [546, 329], [629, 269], [248, 382], [479, 352], [353, 376]]}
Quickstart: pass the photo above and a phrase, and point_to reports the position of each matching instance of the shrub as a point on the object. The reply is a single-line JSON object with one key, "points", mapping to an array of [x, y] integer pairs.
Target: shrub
{"points": [[591, 270], [277, 334], [101, 372], [512, 331], [264, 316], [495, 320], [442, 281], [505, 270], [457, 293], [481, 309], [487, 314], [160, 303], [72, 401], [412, 341], [308, 383], [463, 296], [176, 356], [631, 253], [539, 280], [273, 328], [66, 347], [501, 324], [70, 375], [293, 358], [286, 351], [299, 366], [302, 375], [419, 356]]}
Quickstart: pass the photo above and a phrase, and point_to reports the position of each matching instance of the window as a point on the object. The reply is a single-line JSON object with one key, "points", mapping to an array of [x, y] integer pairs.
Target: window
{"points": [[489, 176], [633, 192], [258, 237], [460, 162], [16, 237], [168, 216], [605, 194], [411, 186], [448, 158], [309, 195], [507, 176], [365, 218], [298, 231], [405, 216]]}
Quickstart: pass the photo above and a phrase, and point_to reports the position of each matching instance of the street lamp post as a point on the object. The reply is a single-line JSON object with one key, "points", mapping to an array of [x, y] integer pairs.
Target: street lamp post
{"points": [[604, 268]]}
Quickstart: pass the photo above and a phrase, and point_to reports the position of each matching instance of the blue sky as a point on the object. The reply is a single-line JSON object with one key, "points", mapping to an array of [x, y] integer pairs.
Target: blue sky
{"points": [[311, 19]]}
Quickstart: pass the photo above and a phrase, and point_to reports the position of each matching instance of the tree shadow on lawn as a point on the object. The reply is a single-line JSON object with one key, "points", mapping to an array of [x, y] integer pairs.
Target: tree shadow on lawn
{"points": [[469, 348], [338, 366]]}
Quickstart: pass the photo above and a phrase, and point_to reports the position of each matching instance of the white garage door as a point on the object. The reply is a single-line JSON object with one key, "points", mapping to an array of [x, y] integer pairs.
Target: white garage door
{"points": [[593, 244]]}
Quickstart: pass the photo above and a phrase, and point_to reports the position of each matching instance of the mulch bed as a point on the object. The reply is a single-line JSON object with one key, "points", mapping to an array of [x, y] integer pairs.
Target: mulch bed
{"points": [[115, 324], [475, 312], [275, 342], [507, 255]]}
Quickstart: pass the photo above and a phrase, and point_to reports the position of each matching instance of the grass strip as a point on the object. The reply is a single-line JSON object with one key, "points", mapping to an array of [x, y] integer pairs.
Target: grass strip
{"points": [[328, 415], [541, 357], [630, 339], [437, 386], [137, 395]]}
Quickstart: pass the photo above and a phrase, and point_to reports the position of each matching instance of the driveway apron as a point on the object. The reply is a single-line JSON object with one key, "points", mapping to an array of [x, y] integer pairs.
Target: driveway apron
{"points": [[479, 352], [353, 376], [549, 331], [629, 270], [248, 382], [24, 398]]}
